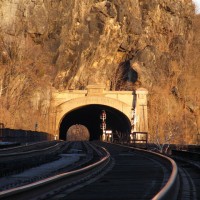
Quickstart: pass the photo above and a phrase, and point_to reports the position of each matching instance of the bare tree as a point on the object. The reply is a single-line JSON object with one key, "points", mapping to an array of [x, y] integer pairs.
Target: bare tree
{"points": [[165, 125]]}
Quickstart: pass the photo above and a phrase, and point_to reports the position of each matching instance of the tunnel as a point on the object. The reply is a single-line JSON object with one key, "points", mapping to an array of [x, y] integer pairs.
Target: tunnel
{"points": [[89, 116]]}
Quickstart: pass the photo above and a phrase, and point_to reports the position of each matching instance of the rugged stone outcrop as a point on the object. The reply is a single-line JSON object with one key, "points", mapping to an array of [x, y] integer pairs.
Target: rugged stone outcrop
{"points": [[89, 37], [66, 44]]}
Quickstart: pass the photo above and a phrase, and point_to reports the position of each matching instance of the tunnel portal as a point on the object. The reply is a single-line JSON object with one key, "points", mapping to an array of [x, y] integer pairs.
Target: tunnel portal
{"points": [[89, 116]]}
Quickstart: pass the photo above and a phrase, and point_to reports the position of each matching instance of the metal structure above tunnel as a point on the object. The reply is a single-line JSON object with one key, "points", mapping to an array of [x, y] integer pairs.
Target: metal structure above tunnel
{"points": [[129, 106]]}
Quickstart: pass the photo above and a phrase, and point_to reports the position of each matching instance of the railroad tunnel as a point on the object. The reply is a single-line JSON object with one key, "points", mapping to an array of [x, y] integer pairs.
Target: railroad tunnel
{"points": [[89, 116]]}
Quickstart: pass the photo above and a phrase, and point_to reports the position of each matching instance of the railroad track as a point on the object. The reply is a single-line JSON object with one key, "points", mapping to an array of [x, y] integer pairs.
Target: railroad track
{"points": [[135, 175], [189, 181], [119, 173], [189, 173], [58, 162], [27, 154], [40, 189], [18, 159], [28, 147]]}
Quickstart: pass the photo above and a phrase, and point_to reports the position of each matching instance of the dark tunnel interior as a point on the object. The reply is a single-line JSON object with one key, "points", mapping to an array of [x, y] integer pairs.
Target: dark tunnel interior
{"points": [[89, 116]]}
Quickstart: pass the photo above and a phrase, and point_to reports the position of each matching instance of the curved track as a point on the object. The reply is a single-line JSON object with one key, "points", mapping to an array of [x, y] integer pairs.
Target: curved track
{"points": [[42, 187], [134, 176], [17, 159], [29, 147], [127, 174], [189, 173]]}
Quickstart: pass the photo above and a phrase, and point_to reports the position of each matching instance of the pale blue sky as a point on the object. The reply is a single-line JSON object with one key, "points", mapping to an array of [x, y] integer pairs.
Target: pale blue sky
{"points": [[197, 2]]}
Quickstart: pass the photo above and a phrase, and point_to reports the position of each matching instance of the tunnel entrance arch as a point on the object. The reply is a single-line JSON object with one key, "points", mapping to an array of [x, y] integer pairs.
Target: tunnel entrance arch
{"points": [[89, 116], [130, 104]]}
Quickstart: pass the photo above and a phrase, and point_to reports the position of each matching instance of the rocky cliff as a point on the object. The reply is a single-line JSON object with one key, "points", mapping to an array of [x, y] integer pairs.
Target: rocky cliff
{"points": [[66, 44]]}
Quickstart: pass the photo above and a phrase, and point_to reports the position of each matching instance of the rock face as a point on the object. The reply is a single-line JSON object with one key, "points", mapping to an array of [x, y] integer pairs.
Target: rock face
{"points": [[66, 44], [138, 39]]}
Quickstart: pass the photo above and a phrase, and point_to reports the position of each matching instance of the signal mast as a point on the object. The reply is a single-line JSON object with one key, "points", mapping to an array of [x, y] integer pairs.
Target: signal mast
{"points": [[103, 124]]}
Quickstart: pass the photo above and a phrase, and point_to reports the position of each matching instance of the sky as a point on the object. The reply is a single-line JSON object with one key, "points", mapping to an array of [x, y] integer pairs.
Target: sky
{"points": [[197, 2]]}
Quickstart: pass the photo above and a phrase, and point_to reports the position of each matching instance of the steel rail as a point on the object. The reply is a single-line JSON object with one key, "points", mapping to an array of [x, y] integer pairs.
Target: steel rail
{"points": [[171, 188], [191, 157], [100, 154], [27, 188], [31, 153], [25, 147]]}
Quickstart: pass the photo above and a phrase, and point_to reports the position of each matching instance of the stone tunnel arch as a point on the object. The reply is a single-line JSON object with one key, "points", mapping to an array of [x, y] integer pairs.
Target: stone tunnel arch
{"points": [[119, 116]]}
